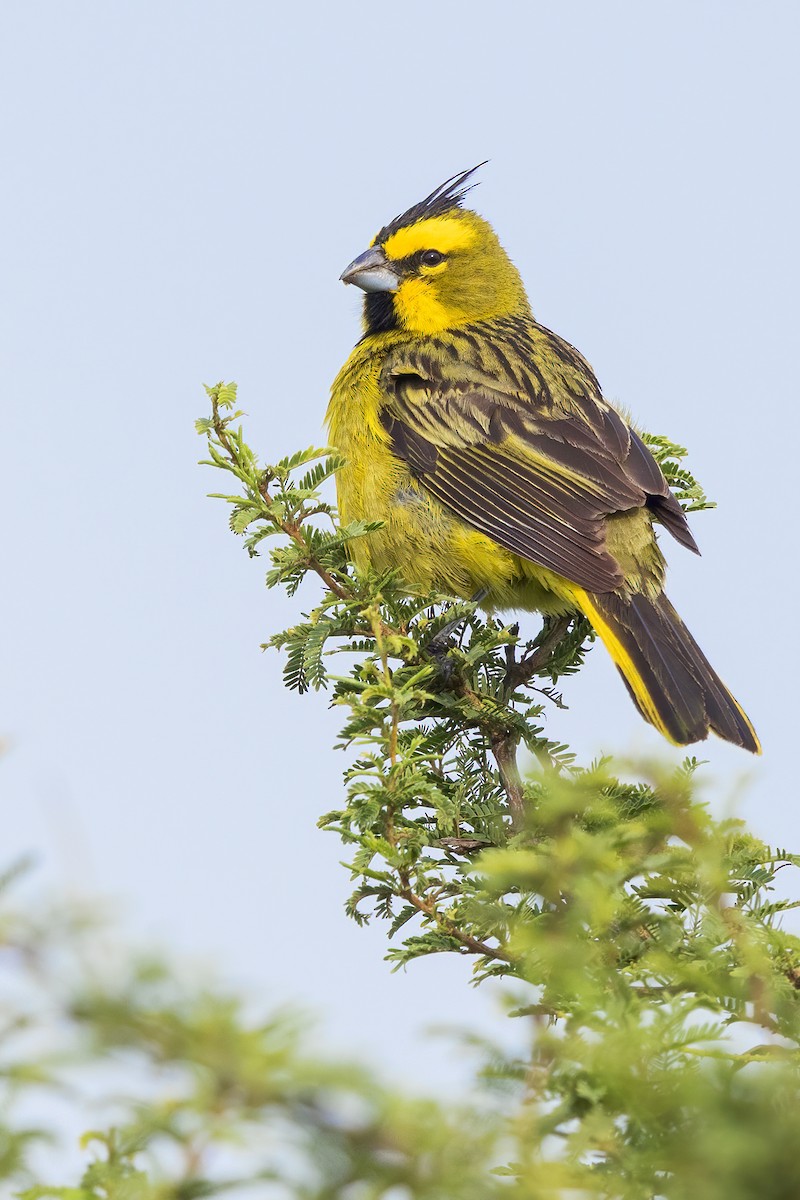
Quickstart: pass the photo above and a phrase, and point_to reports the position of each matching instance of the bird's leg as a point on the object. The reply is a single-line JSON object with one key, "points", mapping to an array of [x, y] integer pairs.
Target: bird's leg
{"points": [[438, 644]]}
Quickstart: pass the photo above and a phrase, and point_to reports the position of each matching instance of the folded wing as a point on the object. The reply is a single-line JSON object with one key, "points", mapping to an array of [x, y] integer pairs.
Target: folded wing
{"points": [[540, 478]]}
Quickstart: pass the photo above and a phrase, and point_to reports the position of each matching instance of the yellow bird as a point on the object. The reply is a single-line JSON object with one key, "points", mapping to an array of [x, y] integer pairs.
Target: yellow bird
{"points": [[482, 442]]}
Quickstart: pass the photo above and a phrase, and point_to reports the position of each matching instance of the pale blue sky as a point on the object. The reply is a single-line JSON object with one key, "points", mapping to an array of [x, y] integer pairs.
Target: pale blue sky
{"points": [[183, 183]]}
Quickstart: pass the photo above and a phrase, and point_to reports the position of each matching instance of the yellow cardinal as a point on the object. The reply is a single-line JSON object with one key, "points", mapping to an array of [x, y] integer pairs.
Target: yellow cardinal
{"points": [[482, 442]]}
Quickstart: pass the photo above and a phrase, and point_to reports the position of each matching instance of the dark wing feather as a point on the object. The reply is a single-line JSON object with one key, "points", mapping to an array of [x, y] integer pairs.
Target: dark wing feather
{"points": [[535, 516], [540, 480]]}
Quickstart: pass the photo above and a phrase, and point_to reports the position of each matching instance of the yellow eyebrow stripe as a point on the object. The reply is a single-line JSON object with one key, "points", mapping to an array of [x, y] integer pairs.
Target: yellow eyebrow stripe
{"points": [[444, 234]]}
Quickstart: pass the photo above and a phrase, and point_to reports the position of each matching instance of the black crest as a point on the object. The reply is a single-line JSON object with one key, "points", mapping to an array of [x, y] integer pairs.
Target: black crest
{"points": [[444, 198]]}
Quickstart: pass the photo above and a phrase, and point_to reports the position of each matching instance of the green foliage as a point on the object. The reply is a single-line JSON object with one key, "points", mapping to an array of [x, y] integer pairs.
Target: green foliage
{"points": [[670, 457], [639, 941], [224, 1101]]}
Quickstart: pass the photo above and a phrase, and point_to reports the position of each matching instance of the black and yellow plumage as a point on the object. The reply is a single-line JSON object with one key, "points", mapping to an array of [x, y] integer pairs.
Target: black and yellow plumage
{"points": [[482, 442]]}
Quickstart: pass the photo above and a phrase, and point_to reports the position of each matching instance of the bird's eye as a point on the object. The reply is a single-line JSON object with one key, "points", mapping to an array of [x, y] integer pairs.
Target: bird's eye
{"points": [[432, 258]]}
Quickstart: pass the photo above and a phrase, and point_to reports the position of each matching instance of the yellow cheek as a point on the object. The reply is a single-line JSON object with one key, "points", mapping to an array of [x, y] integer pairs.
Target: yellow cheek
{"points": [[417, 308]]}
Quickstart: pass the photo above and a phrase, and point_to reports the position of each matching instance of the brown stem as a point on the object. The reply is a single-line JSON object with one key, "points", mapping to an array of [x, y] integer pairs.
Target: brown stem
{"points": [[518, 673], [473, 945], [290, 528], [504, 749]]}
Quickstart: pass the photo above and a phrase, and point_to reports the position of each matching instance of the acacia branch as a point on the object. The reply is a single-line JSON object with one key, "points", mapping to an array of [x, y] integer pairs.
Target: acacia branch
{"points": [[519, 673], [471, 944], [504, 749], [292, 529]]}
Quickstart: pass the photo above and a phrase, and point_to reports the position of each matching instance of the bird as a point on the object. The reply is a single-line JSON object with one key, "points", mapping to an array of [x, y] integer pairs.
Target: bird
{"points": [[482, 443]]}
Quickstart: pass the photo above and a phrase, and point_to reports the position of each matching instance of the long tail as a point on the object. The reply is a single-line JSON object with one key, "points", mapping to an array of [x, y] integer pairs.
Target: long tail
{"points": [[671, 681]]}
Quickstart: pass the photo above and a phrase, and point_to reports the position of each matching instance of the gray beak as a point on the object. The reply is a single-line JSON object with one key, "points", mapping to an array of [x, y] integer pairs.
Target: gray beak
{"points": [[371, 272]]}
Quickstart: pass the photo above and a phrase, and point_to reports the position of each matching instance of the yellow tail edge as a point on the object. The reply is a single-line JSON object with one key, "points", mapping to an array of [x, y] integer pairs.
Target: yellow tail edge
{"points": [[624, 662]]}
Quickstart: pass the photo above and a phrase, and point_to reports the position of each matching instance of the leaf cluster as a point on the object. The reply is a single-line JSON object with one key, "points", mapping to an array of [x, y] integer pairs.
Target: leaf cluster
{"points": [[669, 456]]}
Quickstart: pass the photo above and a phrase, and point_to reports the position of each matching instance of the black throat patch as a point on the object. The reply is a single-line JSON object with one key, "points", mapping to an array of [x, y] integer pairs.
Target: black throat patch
{"points": [[379, 312]]}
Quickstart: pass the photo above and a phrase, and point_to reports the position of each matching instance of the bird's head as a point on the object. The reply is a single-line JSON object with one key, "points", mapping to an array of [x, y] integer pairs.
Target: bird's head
{"points": [[435, 267]]}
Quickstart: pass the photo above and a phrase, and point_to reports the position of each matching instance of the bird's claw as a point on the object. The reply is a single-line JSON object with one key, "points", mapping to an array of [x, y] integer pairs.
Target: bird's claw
{"points": [[440, 643], [438, 648]]}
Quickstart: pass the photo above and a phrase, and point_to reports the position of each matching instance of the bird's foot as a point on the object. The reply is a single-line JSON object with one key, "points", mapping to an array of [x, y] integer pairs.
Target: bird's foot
{"points": [[440, 644], [439, 650]]}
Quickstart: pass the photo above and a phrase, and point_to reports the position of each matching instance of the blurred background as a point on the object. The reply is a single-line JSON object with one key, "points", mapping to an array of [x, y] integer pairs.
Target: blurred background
{"points": [[183, 184]]}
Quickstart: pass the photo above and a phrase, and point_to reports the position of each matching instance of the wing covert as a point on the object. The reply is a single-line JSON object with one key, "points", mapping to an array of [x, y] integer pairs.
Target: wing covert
{"points": [[539, 480]]}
